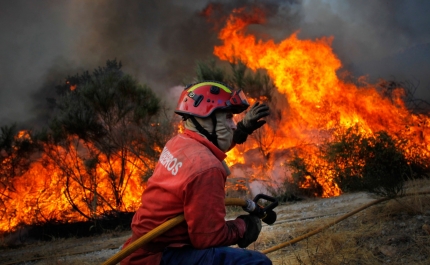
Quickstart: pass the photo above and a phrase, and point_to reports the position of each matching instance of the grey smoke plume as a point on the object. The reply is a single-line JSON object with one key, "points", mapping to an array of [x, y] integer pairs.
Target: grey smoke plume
{"points": [[381, 39], [159, 42]]}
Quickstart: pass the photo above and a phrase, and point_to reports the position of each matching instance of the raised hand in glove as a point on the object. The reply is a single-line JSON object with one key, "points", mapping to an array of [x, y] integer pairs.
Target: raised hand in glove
{"points": [[250, 122], [253, 228]]}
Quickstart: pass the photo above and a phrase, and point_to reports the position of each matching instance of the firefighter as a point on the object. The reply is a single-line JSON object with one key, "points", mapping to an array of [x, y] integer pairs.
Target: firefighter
{"points": [[190, 179]]}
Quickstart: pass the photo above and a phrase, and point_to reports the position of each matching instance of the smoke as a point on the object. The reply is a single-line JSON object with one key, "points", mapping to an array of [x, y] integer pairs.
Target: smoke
{"points": [[159, 42], [381, 39], [32, 36], [42, 43]]}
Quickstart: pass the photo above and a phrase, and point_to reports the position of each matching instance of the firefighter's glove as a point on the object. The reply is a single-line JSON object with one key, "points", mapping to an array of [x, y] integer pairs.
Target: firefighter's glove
{"points": [[250, 122], [253, 228]]}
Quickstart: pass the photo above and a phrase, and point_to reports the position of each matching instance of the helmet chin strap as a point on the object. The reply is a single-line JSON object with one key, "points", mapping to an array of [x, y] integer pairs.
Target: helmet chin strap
{"points": [[211, 137]]}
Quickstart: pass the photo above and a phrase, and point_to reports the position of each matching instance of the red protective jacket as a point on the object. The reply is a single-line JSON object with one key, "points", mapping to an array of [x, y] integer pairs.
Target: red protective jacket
{"points": [[190, 179]]}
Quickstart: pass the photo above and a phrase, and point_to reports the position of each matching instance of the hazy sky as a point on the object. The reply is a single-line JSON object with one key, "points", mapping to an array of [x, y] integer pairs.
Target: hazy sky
{"points": [[158, 42]]}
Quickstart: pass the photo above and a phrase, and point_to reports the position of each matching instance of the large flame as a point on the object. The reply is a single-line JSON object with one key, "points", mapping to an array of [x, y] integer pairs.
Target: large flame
{"points": [[319, 104]]}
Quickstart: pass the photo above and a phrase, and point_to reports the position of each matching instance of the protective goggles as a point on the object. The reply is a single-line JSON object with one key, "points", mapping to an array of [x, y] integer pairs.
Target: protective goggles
{"points": [[237, 99]]}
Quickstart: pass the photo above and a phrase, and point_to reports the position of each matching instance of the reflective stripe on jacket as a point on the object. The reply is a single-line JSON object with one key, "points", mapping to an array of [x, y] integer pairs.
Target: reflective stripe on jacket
{"points": [[189, 179]]}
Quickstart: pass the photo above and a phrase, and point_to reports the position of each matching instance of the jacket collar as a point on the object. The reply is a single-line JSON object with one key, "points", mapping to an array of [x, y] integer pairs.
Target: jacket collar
{"points": [[215, 150]]}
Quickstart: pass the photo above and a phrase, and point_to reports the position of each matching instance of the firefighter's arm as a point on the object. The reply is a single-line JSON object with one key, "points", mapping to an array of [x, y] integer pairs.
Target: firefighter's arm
{"points": [[204, 211]]}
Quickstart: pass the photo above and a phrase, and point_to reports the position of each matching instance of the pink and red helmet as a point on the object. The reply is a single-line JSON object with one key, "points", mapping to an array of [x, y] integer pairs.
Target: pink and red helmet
{"points": [[203, 98]]}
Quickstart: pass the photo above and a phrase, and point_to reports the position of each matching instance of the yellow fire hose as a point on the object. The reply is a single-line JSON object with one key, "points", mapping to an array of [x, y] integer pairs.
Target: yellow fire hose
{"points": [[230, 202]]}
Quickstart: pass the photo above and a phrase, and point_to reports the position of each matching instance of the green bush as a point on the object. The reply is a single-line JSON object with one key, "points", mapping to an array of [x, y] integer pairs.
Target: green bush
{"points": [[370, 163]]}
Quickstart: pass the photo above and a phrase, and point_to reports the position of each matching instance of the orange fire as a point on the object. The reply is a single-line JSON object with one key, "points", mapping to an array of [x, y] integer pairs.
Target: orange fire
{"points": [[72, 87], [318, 104], [45, 192]]}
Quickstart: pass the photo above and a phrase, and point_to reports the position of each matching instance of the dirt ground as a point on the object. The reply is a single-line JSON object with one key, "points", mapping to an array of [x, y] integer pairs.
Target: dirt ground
{"points": [[379, 236]]}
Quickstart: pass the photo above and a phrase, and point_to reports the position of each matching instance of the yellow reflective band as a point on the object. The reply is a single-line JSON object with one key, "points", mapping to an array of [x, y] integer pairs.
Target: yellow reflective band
{"points": [[226, 89]]}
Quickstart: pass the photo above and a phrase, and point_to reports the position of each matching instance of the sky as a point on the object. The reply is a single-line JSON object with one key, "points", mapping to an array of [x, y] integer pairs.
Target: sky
{"points": [[159, 41]]}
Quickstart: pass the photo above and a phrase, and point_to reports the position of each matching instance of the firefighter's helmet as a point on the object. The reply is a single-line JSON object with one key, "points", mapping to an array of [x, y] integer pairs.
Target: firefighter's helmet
{"points": [[203, 98]]}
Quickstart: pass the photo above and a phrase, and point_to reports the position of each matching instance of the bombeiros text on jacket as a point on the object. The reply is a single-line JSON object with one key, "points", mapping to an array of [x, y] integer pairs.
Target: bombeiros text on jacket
{"points": [[170, 162]]}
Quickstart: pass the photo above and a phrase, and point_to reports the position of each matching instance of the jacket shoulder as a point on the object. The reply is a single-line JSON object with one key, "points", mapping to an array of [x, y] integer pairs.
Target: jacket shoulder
{"points": [[193, 153]]}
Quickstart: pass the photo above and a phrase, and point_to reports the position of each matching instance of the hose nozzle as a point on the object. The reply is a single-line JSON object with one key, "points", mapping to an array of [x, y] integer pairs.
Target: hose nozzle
{"points": [[266, 214]]}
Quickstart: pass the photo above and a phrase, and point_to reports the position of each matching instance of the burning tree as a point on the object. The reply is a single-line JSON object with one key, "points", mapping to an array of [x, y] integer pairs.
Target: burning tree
{"points": [[104, 127], [103, 142], [316, 109]]}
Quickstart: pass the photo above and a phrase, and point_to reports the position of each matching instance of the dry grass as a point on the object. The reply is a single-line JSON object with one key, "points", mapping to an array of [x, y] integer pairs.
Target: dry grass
{"points": [[387, 233]]}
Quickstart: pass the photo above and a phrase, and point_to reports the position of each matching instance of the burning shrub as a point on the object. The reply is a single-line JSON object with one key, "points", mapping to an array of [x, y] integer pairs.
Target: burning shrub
{"points": [[354, 161], [373, 163], [303, 179], [16, 150]]}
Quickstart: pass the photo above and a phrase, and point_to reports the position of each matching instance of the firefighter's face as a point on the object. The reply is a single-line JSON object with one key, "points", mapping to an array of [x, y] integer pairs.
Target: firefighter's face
{"points": [[229, 121]]}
